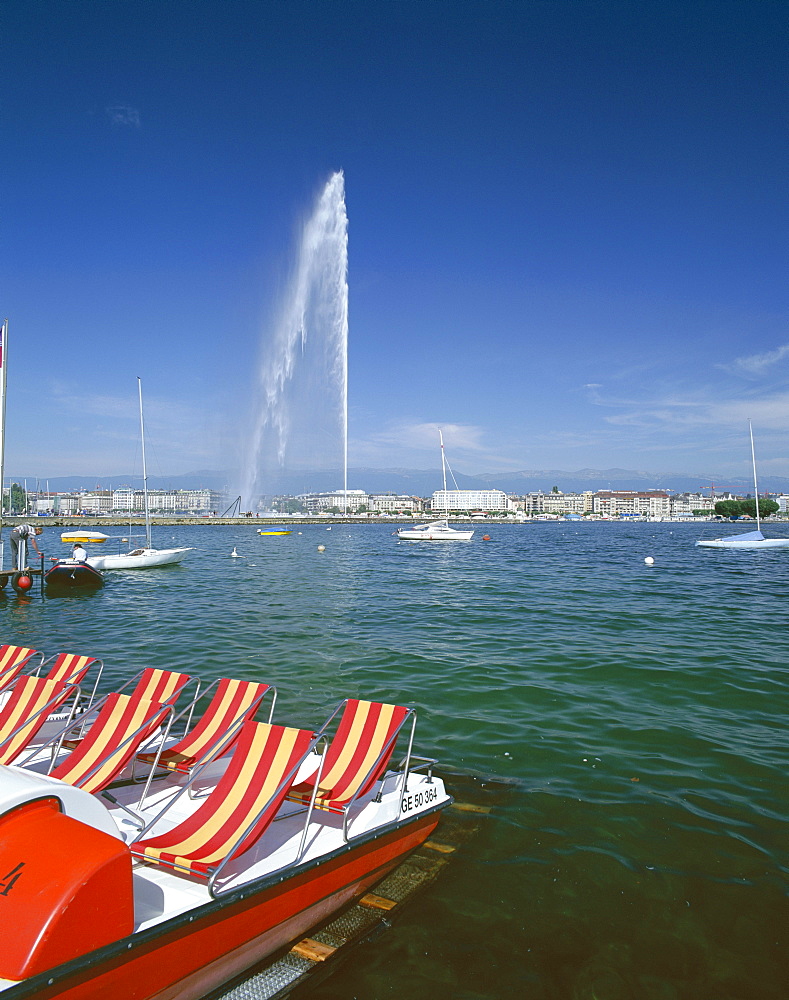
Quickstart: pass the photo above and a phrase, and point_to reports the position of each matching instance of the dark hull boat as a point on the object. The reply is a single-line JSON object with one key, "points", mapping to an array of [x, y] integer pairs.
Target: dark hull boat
{"points": [[68, 574], [239, 838]]}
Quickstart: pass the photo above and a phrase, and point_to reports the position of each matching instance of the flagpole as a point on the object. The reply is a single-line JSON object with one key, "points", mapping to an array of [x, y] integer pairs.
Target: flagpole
{"points": [[3, 360]]}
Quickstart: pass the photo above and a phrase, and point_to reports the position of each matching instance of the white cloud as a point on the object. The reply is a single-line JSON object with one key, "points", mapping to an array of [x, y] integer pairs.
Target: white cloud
{"points": [[758, 364], [123, 115]]}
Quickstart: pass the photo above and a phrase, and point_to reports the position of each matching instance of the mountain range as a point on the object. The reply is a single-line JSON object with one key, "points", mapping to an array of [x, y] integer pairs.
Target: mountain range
{"points": [[423, 482]]}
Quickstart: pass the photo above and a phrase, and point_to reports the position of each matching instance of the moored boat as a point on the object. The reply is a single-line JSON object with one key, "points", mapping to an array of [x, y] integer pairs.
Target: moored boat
{"points": [[174, 887], [747, 539], [144, 557], [434, 531], [72, 574]]}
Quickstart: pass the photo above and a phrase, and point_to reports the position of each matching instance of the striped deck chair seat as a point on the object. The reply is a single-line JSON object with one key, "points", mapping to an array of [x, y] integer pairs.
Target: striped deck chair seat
{"points": [[70, 668], [232, 704], [162, 686], [238, 811], [357, 756], [121, 725], [31, 702], [13, 660]]}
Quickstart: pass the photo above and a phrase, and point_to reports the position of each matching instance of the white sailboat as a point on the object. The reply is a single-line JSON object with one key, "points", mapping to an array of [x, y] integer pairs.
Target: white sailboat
{"points": [[747, 539], [147, 557], [436, 531]]}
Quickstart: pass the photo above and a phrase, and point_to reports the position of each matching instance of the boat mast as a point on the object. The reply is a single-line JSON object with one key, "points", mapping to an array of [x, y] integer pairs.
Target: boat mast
{"points": [[443, 460], [755, 484], [3, 359], [144, 471]]}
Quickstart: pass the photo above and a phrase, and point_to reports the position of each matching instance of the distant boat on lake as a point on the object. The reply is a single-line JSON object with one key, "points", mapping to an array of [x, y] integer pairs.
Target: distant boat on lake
{"points": [[747, 539]]}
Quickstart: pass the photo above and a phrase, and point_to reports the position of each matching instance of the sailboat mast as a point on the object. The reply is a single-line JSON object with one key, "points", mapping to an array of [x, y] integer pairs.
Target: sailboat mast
{"points": [[443, 460], [755, 484], [144, 471]]}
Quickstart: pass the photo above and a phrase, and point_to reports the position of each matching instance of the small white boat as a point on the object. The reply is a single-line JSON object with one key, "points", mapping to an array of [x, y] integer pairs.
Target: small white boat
{"points": [[434, 531], [143, 558], [147, 556], [747, 539]]}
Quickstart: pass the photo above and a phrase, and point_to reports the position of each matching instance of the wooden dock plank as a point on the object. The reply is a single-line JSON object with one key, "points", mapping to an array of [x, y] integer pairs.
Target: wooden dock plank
{"points": [[314, 950]]}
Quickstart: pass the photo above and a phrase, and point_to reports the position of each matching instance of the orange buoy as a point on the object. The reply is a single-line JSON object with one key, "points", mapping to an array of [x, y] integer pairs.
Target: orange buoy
{"points": [[486, 538], [24, 582]]}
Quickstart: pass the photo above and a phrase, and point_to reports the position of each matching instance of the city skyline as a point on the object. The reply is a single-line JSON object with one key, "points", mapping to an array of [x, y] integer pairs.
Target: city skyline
{"points": [[565, 228]]}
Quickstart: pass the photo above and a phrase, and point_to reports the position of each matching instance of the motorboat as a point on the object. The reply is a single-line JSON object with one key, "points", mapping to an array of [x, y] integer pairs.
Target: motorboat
{"points": [[243, 836], [434, 531], [72, 574], [144, 557], [747, 539]]}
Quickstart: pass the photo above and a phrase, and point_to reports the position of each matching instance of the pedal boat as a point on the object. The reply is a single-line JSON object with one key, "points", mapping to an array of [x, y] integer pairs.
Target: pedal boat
{"points": [[96, 913]]}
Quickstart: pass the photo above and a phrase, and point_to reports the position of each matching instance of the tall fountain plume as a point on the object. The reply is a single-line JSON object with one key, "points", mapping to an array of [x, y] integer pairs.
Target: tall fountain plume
{"points": [[301, 412]]}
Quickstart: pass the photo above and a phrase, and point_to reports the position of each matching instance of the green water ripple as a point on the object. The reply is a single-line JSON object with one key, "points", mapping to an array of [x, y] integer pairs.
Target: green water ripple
{"points": [[640, 711]]}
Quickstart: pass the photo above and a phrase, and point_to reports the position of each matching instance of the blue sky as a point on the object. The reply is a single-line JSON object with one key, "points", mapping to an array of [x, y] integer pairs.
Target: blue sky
{"points": [[567, 227]]}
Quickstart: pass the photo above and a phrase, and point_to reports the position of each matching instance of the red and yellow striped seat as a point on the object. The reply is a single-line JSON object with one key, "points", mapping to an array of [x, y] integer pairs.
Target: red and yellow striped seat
{"points": [[232, 704], [357, 756], [32, 700], [237, 812], [121, 725], [162, 686], [13, 660], [70, 668]]}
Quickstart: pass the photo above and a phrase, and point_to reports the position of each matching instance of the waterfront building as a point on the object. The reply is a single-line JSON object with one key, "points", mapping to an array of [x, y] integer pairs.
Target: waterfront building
{"points": [[558, 503], [96, 503], [169, 501], [629, 503], [447, 501], [683, 504], [342, 500], [390, 503]]}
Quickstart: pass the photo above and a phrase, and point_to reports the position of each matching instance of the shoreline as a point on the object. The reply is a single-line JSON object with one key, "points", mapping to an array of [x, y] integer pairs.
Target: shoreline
{"points": [[73, 521]]}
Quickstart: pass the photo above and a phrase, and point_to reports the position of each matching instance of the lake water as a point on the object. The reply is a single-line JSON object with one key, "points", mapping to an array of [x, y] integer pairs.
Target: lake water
{"points": [[640, 711]]}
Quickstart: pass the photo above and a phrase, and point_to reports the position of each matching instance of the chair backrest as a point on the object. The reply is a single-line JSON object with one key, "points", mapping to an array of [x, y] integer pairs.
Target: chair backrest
{"points": [[12, 661], [359, 752], [70, 667], [32, 699], [237, 812], [121, 725], [233, 701], [161, 686]]}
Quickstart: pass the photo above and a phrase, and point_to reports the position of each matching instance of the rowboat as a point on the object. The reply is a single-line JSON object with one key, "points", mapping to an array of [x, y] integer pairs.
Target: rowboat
{"points": [[261, 532], [236, 839]]}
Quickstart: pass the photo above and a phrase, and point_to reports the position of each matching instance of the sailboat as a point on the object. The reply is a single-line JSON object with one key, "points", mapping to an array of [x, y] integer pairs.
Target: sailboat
{"points": [[436, 531], [747, 539], [146, 557]]}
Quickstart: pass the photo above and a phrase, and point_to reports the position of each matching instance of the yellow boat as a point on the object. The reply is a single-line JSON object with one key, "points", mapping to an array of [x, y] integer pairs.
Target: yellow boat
{"points": [[261, 532]]}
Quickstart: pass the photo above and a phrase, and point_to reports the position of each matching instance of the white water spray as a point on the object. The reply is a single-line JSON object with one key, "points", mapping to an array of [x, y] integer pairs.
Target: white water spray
{"points": [[301, 418]]}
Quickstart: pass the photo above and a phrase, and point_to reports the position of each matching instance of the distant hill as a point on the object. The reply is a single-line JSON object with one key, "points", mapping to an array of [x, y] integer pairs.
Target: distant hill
{"points": [[422, 482]]}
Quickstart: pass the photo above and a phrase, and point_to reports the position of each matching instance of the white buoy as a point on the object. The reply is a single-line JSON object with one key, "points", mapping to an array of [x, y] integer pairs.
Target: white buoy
{"points": [[649, 561], [321, 548], [234, 554]]}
